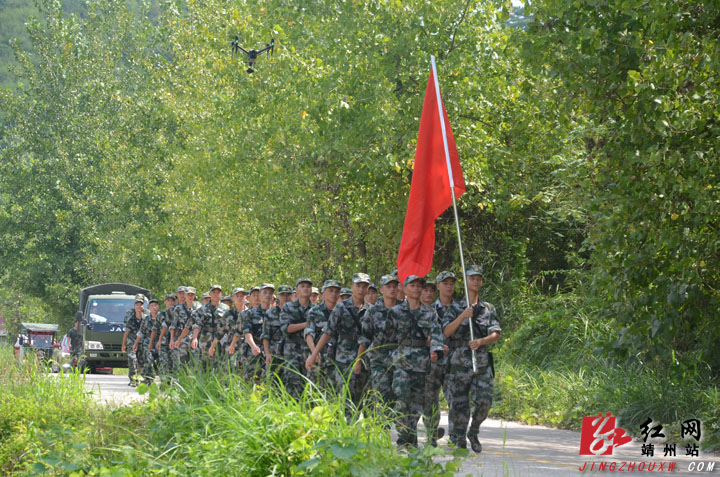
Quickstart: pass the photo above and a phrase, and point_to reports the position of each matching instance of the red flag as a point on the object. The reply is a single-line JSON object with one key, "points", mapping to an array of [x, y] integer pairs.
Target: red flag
{"points": [[430, 189]]}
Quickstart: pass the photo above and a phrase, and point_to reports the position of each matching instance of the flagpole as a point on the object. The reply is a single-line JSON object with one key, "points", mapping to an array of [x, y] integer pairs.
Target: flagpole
{"points": [[452, 194]]}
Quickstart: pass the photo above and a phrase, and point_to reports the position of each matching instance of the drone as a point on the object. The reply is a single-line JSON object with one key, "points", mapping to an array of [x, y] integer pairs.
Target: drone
{"points": [[252, 54]]}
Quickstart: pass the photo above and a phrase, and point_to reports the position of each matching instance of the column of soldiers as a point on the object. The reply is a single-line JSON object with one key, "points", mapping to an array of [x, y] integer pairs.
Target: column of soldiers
{"points": [[393, 350]]}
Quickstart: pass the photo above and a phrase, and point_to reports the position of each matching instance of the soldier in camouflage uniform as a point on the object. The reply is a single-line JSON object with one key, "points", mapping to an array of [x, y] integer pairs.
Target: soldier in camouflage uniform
{"points": [[314, 296], [182, 325], [317, 318], [272, 337], [133, 319], [470, 389], [160, 331], [345, 293], [230, 321], [284, 293], [445, 284], [434, 378], [146, 356], [174, 334], [252, 358], [206, 323], [205, 299], [379, 352], [344, 326], [412, 325], [293, 317], [372, 295]]}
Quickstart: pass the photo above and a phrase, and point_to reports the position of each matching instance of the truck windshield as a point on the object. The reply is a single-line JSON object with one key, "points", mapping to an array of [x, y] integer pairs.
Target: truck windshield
{"points": [[109, 310]]}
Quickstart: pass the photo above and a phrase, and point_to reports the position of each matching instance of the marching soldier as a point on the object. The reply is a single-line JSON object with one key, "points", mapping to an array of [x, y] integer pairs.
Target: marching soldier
{"points": [[380, 352], [205, 324], [231, 319], [434, 378], [344, 327], [160, 331], [284, 295], [345, 293], [183, 322], [372, 295], [317, 319], [272, 337], [205, 299], [293, 319], [133, 319], [412, 325], [146, 357], [470, 390], [250, 327], [314, 296]]}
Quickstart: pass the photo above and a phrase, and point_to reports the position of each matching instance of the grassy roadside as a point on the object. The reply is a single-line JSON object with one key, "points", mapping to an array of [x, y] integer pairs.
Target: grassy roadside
{"points": [[549, 373], [206, 425]]}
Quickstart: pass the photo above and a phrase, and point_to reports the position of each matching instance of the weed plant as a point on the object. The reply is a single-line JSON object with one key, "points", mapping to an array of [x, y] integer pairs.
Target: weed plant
{"points": [[204, 424]]}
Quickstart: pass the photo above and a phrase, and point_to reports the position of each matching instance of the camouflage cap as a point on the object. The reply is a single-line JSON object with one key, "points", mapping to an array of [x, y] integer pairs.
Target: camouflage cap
{"points": [[385, 279], [361, 278], [254, 289], [181, 289], [345, 291], [373, 286], [429, 282], [140, 298], [225, 298], [444, 275], [170, 296], [474, 270], [303, 280], [266, 285], [284, 289], [239, 290], [331, 283], [315, 290], [213, 287], [205, 295], [413, 278], [190, 290], [153, 300]]}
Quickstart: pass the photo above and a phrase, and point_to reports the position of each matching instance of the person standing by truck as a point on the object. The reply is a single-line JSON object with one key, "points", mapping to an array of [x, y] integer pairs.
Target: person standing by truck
{"points": [[133, 320]]}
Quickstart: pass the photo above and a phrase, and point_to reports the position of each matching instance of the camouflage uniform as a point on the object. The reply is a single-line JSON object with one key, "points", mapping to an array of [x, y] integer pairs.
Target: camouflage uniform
{"points": [[410, 329], [182, 316], [468, 389], [434, 381], [162, 322], [317, 318], [252, 322], [146, 360], [344, 328], [379, 352], [207, 319], [132, 326], [295, 350], [272, 331], [226, 331]]}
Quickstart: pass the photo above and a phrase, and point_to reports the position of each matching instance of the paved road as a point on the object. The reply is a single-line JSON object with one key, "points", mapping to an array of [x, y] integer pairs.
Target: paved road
{"points": [[508, 448]]}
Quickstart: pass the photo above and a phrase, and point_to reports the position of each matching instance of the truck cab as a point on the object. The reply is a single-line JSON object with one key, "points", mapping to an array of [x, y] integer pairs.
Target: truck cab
{"points": [[102, 316]]}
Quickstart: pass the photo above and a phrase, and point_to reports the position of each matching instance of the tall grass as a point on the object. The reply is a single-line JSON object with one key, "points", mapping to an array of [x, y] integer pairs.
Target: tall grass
{"points": [[205, 424]]}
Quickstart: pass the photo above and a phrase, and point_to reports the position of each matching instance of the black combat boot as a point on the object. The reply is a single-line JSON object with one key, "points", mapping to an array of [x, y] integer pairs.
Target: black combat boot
{"points": [[474, 443]]}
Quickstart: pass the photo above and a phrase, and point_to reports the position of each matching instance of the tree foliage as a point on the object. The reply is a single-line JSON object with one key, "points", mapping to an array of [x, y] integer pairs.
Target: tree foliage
{"points": [[645, 73]]}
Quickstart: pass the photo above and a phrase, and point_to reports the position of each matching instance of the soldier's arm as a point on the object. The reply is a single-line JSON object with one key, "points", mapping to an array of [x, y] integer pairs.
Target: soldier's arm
{"points": [[452, 325], [152, 338], [163, 332], [124, 341], [266, 347], [310, 362], [249, 339]]}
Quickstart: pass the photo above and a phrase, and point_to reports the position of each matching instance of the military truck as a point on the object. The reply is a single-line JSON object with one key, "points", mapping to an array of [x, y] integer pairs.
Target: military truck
{"points": [[101, 313]]}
